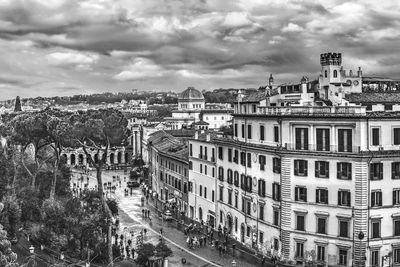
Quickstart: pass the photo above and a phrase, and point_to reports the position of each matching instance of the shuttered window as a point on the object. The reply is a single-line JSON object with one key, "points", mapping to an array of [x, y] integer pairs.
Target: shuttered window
{"points": [[376, 171], [301, 135], [323, 140]]}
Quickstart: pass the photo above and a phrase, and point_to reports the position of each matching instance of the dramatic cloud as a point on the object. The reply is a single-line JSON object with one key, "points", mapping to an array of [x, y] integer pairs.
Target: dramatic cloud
{"points": [[64, 47]]}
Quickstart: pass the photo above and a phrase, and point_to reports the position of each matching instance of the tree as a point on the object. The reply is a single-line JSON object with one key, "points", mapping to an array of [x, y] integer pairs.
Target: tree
{"points": [[99, 130], [163, 250], [17, 107], [7, 257], [144, 253]]}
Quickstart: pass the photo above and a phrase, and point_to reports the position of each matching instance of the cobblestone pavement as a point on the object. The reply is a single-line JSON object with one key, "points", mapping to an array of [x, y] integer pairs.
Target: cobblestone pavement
{"points": [[132, 221]]}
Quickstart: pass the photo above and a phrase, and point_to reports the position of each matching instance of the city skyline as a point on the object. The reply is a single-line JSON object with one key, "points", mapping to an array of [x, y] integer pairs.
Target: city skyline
{"points": [[67, 48]]}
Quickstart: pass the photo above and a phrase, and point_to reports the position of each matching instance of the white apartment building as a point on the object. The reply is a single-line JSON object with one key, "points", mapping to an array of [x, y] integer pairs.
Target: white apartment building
{"points": [[311, 183]]}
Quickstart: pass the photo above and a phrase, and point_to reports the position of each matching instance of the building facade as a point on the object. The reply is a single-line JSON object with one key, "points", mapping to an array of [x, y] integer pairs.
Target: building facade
{"points": [[310, 183]]}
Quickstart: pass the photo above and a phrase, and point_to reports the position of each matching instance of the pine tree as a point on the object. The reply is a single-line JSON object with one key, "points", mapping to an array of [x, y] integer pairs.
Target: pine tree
{"points": [[17, 104]]}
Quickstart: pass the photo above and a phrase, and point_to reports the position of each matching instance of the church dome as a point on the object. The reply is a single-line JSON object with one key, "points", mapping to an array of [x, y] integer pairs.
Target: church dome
{"points": [[191, 93]]}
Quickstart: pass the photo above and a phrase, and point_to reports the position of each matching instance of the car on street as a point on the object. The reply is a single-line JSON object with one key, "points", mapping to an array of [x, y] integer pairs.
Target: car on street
{"points": [[167, 215], [132, 184]]}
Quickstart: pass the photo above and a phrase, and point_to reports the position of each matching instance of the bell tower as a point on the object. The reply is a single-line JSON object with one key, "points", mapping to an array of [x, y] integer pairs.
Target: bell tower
{"points": [[331, 64]]}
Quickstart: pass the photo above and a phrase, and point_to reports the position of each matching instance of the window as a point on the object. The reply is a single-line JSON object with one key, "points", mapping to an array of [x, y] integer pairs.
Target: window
{"points": [[236, 157], [301, 135], [388, 107], [326, 74], [321, 225], [201, 152], [342, 256], [276, 244], [261, 188], [376, 229], [201, 190], [396, 196], [322, 169], [323, 140], [262, 132], [205, 192], [249, 131], [248, 231], [248, 205], [212, 195], [396, 226], [205, 169], [190, 187], [299, 250], [249, 160], [190, 165], [261, 212], [262, 161], [300, 220], [221, 174], [220, 153], [276, 217], [221, 193], [230, 176], [334, 73], [396, 136], [276, 192], [236, 200], [276, 165], [345, 140], [320, 253], [236, 130], [344, 228], [236, 178], [344, 198], [229, 197], [213, 172], [249, 184], [213, 154], [376, 171], [300, 167], [396, 255], [375, 258], [243, 158], [254, 108], [191, 150], [376, 198], [230, 154], [344, 170], [395, 170], [205, 153], [321, 196], [375, 136], [236, 224], [276, 134], [261, 237], [242, 130], [300, 194]]}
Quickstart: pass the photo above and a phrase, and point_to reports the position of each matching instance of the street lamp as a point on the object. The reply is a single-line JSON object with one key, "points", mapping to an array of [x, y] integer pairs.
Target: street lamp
{"points": [[31, 249]]}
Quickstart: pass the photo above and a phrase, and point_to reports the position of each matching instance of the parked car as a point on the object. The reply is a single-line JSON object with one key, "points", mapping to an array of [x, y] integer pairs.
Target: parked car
{"points": [[132, 184], [167, 215]]}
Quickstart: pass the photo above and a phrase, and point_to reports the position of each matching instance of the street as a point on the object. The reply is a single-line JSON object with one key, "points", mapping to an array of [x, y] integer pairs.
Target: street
{"points": [[132, 222]]}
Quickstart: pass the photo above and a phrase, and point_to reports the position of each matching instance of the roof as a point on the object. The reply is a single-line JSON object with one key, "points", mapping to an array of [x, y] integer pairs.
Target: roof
{"points": [[200, 123], [374, 98], [255, 97], [191, 93], [378, 79], [229, 111], [169, 145]]}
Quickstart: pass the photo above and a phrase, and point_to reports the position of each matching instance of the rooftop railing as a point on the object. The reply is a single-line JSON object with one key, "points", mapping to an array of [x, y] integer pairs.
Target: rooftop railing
{"points": [[304, 111]]}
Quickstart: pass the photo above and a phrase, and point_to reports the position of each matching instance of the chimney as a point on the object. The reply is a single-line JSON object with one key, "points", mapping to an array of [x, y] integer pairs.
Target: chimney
{"points": [[196, 135], [359, 72], [351, 73]]}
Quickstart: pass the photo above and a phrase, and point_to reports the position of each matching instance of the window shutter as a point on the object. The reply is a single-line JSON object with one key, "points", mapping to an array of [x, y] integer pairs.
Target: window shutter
{"points": [[393, 170], [394, 197], [273, 191], [327, 140], [306, 139], [259, 187], [305, 194], [305, 168], [339, 175], [349, 167], [296, 167], [348, 199], [263, 188], [319, 139], [326, 197], [381, 171], [317, 192], [349, 140], [296, 194], [327, 169], [338, 197], [298, 138], [242, 181], [317, 166], [373, 198], [371, 172]]}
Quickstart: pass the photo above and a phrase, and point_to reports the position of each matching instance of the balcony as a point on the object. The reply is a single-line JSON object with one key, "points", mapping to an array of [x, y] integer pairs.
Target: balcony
{"points": [[307, 111], [331, 148]]}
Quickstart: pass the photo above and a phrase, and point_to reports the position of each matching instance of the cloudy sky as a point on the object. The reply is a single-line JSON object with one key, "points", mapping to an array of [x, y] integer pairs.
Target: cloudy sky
{"points": [[66, 47]]}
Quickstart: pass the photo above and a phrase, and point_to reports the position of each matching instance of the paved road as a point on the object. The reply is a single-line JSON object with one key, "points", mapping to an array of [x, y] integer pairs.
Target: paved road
{"points": [[131, 220]]}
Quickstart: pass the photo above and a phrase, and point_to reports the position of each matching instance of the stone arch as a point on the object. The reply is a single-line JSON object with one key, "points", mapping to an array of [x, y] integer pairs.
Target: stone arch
{"points": [[80, 159], [73, 159], [112, 158], [119, 157]]}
